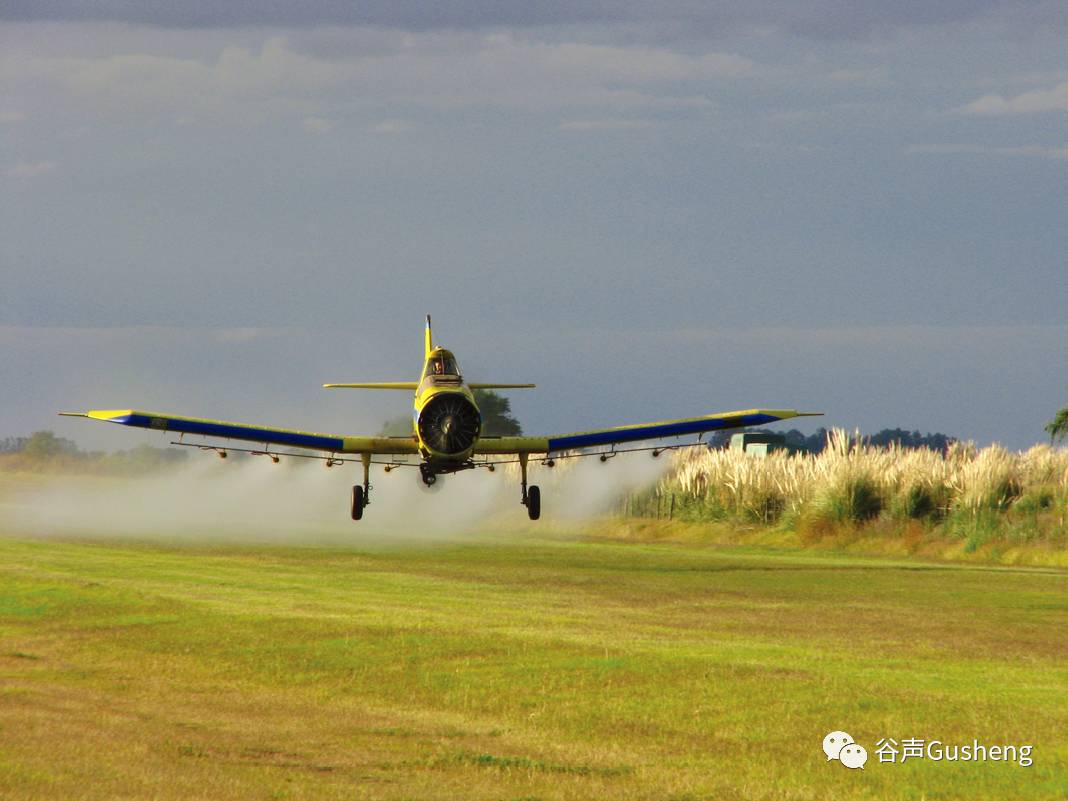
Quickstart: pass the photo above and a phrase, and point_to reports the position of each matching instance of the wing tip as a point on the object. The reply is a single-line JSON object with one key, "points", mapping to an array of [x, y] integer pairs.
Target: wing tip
{"points": [[107, 415], [779, 414]]}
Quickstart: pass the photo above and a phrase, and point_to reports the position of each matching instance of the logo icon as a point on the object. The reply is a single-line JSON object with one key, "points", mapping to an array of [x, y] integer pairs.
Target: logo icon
{"points": [[840, 745], [834, 742], [853, 756]]}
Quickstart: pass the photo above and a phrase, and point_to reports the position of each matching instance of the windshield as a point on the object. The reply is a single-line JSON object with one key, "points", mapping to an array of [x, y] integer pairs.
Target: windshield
{"points": [[442, 363]]}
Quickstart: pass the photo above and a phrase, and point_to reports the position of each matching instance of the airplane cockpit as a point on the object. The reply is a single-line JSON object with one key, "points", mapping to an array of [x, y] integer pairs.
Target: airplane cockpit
{"points": [[442, 364]]}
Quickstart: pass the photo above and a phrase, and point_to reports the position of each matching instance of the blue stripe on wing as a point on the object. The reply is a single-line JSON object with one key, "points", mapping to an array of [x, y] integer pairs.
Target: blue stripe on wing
{"points": [[230, 431], [657, 431]]}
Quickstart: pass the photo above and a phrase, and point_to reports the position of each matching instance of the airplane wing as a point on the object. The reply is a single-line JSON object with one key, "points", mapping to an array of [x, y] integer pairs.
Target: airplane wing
{"points": [[410, 385], [635, 433], [414, 385], [477, 385], [333, 443]]}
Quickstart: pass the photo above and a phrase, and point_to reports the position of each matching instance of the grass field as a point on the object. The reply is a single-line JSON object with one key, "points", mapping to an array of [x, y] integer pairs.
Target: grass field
{"points": [[517, 668]]}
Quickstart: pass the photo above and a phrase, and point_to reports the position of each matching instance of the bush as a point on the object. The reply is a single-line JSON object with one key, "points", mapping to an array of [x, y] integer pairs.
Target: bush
{"points": [[854, 499], [1035, 500], [919, 501]]}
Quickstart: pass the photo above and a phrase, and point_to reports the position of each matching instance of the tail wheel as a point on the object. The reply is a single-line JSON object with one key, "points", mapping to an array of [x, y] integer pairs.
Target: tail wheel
{"points": [[357, 502], [534, 502]]}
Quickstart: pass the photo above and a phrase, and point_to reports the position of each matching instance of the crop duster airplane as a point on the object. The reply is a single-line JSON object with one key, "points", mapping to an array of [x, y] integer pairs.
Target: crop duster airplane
{"points": [[446, 432]]}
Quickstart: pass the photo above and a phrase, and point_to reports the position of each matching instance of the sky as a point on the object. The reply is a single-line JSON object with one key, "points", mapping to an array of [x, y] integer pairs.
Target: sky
{"points": [[650, 210]]}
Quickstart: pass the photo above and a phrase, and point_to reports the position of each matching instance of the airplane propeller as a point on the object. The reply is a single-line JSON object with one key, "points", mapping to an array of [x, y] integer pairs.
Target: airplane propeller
{"points": [[449, 424]]}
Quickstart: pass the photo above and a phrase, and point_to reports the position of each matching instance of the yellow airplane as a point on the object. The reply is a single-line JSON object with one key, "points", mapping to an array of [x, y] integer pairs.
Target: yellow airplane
{"points": [[446, 432]]}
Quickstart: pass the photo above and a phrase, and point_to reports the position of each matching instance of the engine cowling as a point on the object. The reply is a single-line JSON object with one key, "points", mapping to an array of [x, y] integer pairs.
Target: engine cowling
{"points": [[449, 423]]}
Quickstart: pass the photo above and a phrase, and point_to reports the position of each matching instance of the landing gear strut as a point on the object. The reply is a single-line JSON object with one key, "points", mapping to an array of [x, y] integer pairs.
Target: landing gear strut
{"points": [[427, 474], [361, 495], [531, 495]]}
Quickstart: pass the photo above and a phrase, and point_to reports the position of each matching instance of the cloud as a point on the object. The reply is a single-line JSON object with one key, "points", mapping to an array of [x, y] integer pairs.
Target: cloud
{"points": [[317, 125], [1034, 151], [244, 334], [413, 15], [390, 127], [31, 169], [435, 71], [811, 19], [588, 126], [1036, 101], [876, 76], [39, 337]]}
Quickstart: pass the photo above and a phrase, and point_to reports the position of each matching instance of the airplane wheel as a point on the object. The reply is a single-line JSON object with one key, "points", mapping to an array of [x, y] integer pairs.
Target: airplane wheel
{"points": [[357, 502], [432, 483], [534, 502]]}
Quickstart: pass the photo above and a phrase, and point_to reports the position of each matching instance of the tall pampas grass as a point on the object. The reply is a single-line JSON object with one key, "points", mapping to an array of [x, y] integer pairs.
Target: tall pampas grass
{"points": [[850, 482]]}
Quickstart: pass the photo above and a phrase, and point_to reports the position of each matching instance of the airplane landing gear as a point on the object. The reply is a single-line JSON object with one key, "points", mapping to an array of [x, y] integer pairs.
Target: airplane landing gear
{"points": [[532, 495], [358, 502], [427, 474], [534, 502], [361, 495]]}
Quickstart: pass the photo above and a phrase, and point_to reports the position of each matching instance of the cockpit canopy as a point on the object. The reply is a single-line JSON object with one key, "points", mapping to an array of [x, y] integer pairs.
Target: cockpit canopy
{"points": [[442, 363]]}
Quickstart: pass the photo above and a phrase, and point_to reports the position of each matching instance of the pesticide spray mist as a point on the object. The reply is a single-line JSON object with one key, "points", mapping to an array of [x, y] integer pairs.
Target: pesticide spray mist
{"points": [[297, 501]]}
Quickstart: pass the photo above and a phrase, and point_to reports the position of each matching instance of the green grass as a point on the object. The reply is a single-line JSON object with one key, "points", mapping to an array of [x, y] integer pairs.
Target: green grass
{"points": [[517, 668]]}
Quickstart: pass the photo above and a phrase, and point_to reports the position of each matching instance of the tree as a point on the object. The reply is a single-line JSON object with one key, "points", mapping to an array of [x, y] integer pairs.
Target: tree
{"points": [[12, 444], [815, 443], [909, 439], [46, 444], [1057, 428], [497, 419]]}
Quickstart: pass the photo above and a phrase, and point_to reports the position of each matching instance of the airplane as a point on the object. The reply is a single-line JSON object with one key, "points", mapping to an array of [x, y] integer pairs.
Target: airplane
{"points": [[446, 432]]}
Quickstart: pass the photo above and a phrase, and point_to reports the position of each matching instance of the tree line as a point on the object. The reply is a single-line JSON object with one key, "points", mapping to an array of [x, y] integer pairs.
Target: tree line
{"points": [[816, 442], [44, 451]]}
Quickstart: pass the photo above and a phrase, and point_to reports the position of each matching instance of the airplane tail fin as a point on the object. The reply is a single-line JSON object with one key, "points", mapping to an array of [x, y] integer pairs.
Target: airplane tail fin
{"points": [[429, 338]]}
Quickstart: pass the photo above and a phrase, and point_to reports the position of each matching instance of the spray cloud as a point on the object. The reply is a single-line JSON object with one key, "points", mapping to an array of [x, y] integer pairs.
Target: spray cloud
{"points": [[250, 499]]}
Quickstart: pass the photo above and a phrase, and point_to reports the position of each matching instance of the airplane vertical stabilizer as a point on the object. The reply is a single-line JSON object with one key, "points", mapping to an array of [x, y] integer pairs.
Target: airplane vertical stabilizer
{"points": [[429, 338]]}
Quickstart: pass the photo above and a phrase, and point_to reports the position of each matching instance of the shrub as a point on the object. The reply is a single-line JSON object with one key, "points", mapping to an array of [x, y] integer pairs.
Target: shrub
{"points": [[854, 498], [915, 502], [1035, 500]]}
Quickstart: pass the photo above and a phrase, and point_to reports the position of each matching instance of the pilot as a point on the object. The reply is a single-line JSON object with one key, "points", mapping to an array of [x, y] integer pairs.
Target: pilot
{"points": [[439, 368]]}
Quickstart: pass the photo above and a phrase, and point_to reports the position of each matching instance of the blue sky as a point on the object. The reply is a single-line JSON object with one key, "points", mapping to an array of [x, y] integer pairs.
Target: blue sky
{"points": [[857, 208]]}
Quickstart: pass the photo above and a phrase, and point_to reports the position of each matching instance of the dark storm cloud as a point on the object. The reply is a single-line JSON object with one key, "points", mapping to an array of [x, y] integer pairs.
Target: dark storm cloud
{"points": [[816, 18], [386, 13]]}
